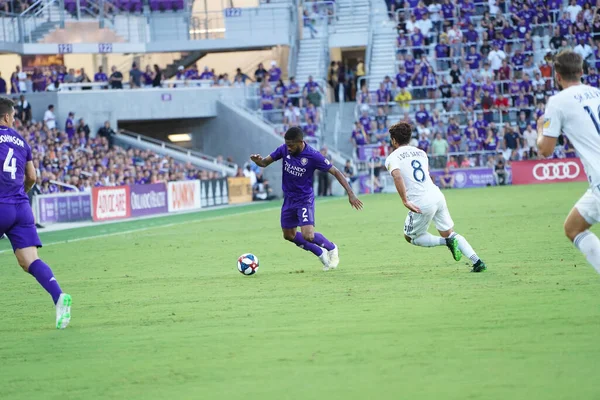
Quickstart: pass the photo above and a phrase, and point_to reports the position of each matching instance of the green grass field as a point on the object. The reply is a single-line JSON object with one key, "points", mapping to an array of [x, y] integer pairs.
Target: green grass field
{"points": [[162, 313]]}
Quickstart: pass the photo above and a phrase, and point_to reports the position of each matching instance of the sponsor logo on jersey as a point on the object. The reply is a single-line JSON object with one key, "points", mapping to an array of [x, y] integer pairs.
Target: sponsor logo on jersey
{"points": [[546, 123]]}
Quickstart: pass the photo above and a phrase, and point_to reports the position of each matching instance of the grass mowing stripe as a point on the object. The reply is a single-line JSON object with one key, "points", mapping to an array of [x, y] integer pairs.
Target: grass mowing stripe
{"points": [[96, 231]]}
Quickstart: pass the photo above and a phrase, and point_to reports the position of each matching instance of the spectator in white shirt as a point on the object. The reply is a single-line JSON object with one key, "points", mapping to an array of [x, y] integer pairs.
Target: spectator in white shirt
{"points": [[495, 58], [22, 77], [530, 137], [249, 173], [425, 26], [291, 115], [584, 50], [50, 118], [411, 24], [434, 13], [486, 72], [573, 10]]}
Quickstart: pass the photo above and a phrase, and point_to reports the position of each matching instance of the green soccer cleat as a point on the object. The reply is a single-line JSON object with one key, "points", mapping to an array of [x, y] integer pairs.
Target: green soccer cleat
{"points": [[63, 311], [479, 266], [452, 244]]}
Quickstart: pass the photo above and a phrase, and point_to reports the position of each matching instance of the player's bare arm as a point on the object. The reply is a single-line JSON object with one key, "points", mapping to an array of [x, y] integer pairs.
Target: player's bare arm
{"points": [[401, 188], [354, 201], [261, 162], [29, 176], [545, 144]]}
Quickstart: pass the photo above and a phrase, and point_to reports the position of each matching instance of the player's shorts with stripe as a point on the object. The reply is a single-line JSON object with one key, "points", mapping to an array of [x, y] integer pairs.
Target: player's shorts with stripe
{"points": [[297, 212], [417, 224], [17, 222], [589, 206]]}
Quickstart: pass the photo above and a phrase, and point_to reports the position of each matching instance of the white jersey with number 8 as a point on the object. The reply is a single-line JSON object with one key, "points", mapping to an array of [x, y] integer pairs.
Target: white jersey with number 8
{"points": [[576, 112], [413, 164]]}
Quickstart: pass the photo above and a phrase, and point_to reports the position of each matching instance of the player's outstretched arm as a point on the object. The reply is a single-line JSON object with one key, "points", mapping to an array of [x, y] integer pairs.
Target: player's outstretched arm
{"points": [[354, 201], [261, 162], [401, 188]]}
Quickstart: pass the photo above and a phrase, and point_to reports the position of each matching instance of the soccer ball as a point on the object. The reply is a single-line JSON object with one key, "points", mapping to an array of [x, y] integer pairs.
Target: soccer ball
{"points": [[247, 264]]}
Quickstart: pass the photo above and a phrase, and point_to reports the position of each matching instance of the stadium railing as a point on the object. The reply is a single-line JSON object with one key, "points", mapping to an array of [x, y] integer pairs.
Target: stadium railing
{"points": [[172, 83], [324, 10], [182, 154]]}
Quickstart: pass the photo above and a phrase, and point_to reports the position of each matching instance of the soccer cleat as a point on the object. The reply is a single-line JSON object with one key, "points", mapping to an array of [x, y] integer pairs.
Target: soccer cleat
{"points": [[334, 257], [479, 266], [324, 257], [452, 245], [63, 311]]}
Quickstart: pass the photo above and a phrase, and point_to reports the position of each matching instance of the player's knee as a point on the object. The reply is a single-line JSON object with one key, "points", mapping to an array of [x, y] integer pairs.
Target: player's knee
{"points": [[309, 237], [571, 232], [446, 234], [289, 236], [407, 238]]}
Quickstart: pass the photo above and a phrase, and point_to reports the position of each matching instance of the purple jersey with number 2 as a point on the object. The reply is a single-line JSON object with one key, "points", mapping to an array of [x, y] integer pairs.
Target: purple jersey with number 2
{"points": [[297, 184], [16, 217]]}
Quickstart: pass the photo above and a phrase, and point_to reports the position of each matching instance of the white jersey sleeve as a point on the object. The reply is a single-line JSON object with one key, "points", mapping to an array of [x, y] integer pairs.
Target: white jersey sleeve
{"points": [[552, 119], [392, 163]]}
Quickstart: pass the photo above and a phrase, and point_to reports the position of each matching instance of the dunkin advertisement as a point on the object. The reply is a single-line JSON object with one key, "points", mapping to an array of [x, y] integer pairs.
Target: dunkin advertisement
{"points": [[149, 199], [183, 195], [111, 203]]}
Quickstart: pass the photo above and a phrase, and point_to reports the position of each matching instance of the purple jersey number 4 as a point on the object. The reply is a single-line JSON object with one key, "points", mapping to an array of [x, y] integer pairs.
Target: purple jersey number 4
{"points": [[14, 154]]}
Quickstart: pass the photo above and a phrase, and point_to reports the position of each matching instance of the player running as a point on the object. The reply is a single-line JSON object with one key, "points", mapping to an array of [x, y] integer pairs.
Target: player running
{"points": [[575, 111], [299, 164], [16, 218], [409, 167]]}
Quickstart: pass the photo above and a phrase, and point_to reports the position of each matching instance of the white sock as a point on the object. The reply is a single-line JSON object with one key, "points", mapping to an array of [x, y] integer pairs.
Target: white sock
{"points": [[589, 245], [465, 247], [428, 240]]}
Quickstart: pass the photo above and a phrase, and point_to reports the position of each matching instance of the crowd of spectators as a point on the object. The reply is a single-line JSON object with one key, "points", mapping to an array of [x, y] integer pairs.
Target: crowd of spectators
{"points": [[59, 78], [474, 77], [72, 157]]}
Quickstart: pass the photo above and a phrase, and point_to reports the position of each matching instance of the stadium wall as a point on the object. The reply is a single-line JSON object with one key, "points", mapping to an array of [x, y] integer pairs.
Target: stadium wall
{"points": [[238, 134], [98, 106]]}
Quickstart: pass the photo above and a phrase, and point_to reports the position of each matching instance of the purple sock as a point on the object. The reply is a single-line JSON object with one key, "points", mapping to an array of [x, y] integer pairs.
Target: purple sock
{"points": [[306, 245], [42, 272], [323, 242]]}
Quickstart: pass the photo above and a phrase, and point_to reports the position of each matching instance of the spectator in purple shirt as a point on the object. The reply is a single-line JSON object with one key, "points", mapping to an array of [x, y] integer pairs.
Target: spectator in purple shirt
{"points": [[293, 92], [491, 141], [442, 53], [473, 58], [100, 76], [565, 25], [192, 73], [402, 78], [39, 80], [309, 85], [70, 126], [592, 77], [417, 39], [274, 72], [383, 95], [310, 129], [518, 59], [423, 144], [469, 89], [206, 74], [365, 121], [448, 12], [522, 103], [422, 116], [410, 64], [481, 125], [267, 103], [403, 42], [471, 34]]}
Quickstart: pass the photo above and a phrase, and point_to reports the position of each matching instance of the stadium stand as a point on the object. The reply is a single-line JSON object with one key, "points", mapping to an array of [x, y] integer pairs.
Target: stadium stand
{"points": [[473, 77]]}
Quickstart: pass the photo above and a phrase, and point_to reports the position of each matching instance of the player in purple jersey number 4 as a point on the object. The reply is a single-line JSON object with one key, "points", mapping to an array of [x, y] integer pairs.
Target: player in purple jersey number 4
{"points": [[299, 162], [16, 218]]}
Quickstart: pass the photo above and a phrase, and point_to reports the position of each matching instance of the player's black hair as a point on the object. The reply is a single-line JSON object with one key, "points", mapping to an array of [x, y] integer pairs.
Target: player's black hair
{"points": [[294, 134], [6, 106], [401, 133]]}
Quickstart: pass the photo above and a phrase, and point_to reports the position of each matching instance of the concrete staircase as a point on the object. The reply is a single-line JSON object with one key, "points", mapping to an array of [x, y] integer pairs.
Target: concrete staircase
{"points": [[344, 146], [353, 16], [312, 59], [383, 52]]}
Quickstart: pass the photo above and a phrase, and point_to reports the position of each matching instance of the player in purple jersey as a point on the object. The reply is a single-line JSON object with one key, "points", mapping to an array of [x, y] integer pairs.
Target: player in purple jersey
{"points": [[299, 162], [16, 218]]}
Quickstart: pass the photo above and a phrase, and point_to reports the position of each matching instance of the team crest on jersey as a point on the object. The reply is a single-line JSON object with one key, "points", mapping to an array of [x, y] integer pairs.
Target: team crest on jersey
{"points": [[546, 123], [304, 161]]}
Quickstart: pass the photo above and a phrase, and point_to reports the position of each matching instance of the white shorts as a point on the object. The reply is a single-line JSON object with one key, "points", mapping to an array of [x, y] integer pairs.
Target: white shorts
{"points": [[417, 224], [589, 207]]}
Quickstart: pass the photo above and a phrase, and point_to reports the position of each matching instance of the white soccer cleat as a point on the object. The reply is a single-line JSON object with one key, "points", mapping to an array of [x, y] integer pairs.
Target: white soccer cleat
{"points": [[334, 258], [63, 311], [324, 257]]}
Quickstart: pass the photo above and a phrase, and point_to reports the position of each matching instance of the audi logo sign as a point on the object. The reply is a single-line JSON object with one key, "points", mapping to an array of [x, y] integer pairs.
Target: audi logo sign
{"points": [[557, 170], [546, 171]]}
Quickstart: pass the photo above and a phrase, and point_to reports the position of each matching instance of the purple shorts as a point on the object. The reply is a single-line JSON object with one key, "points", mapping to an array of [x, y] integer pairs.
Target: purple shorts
{"points": [[295, 213], [16, 221]]}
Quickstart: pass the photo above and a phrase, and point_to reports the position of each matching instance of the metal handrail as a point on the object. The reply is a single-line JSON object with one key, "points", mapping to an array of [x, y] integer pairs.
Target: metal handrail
{"points": [[369, 52], [179, 149], [294, 41], [65, 185]]}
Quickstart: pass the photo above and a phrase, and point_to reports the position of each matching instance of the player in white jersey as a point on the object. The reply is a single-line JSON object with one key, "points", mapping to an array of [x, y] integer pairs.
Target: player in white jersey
{"points": [[409, 167], [575, 111]]}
